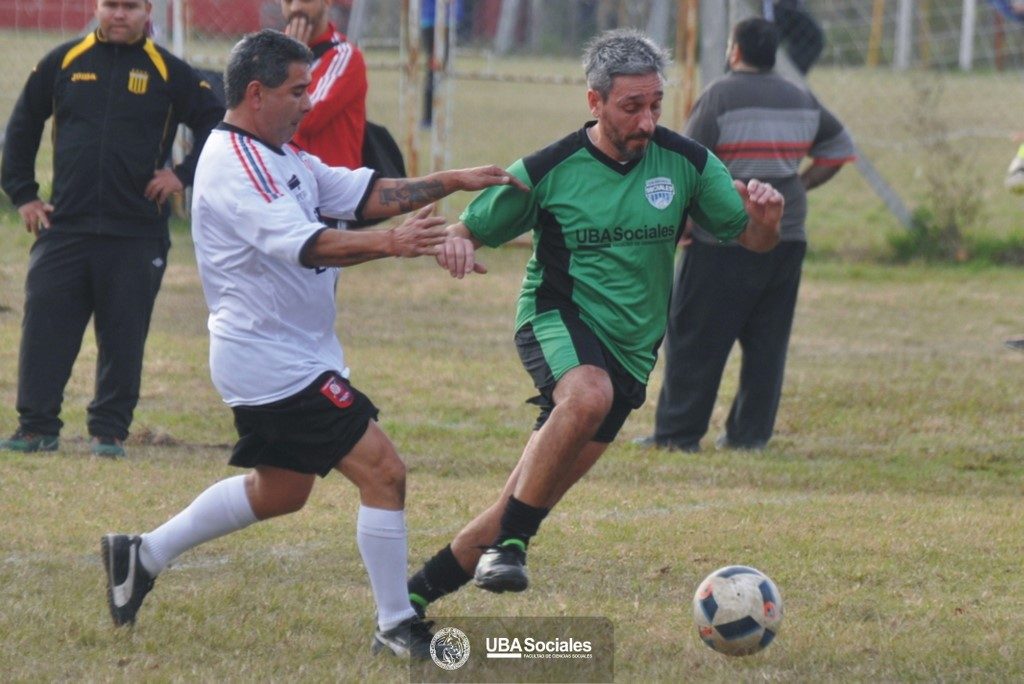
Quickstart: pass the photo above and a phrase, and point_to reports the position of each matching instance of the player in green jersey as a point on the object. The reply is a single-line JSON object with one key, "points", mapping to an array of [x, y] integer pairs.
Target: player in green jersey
{"points": [[607, 206]]}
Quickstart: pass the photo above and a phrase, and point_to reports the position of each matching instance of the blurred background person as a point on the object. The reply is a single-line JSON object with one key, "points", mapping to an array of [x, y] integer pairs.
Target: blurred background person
{"points": [[428, 20], [760, 125], [333, 130], [801, 33], [116, 99]]}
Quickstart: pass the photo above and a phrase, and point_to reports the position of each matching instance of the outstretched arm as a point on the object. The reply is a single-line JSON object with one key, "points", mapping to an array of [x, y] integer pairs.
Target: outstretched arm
{"points": [[419, 235], [764, 205], [392, 196]]}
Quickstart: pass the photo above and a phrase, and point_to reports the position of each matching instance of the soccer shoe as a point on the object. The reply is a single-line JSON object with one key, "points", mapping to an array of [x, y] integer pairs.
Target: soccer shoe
{"points": [[1015, 343], [127, 581], [652, 442], [1014, 180], [723, 442], [27, 442], [408, 639], [502, 568], [107, 447]]}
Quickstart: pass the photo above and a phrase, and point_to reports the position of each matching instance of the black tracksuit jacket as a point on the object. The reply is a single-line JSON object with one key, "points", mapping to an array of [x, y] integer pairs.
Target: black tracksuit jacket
{"points": [[116, 109]]}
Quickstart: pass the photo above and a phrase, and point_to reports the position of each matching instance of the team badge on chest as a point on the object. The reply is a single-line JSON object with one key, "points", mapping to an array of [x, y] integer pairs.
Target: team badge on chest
{"points": [[138, 81], [659, 192]]}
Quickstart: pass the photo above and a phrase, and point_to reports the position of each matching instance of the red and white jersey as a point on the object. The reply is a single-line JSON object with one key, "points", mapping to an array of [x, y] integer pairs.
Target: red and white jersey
{"points": [[254, 209], [333, 129]]}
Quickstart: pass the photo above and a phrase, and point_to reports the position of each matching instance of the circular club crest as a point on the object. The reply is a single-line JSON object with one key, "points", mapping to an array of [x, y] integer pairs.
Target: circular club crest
{"points": [[449, 649]]}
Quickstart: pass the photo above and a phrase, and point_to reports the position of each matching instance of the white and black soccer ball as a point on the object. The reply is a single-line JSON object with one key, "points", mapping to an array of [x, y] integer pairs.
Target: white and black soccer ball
{"points": [[737, 610]]}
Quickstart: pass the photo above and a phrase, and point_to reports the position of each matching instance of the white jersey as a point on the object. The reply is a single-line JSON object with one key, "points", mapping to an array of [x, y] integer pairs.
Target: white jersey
{"points": [[254, 209]]}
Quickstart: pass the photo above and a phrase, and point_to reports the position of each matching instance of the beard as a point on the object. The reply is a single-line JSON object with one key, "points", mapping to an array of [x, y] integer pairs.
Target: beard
{"points": [[628, 153]]}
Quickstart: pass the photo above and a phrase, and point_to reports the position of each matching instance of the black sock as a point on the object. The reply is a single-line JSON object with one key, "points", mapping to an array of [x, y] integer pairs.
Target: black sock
{"points": [[439, 576], [519, 523]]}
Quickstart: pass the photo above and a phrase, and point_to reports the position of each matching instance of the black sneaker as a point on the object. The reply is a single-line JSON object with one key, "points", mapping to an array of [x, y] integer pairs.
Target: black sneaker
{"points": [[652, 442], [502, 568], [28, 442], [1015, 343], [107, 447], [408, 639], [127, 581]]}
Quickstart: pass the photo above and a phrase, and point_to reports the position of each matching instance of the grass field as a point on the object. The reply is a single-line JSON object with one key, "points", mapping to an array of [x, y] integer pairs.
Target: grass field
{"points": [[888, 509]]}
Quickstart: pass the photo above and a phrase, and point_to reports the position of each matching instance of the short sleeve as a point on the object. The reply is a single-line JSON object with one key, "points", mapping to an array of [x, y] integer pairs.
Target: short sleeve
{"points": [[502, 212], [717, 207]]}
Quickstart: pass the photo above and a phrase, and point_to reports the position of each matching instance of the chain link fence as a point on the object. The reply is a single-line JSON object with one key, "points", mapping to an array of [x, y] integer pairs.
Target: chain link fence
{"points": [[922, 84]]}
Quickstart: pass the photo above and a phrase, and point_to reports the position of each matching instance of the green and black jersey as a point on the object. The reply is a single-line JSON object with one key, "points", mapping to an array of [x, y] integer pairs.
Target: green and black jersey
{"points": [[605, 233]]}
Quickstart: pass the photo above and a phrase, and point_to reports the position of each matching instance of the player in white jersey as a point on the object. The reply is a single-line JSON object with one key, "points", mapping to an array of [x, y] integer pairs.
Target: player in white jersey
{"points": [[268, 267]]}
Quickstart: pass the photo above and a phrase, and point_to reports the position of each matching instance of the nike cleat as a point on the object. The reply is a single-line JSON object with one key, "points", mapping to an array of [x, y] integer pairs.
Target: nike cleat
{"points": [[408, 639], [502, 568], [127, 581]]}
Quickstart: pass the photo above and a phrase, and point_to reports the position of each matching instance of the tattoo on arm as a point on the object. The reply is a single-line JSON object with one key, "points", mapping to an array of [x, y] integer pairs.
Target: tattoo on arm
{"points": [[411, 195]]}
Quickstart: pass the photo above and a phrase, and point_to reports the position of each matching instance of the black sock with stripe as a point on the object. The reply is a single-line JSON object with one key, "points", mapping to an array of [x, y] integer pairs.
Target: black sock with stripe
{"points": [[439, 576], [519, 523]]}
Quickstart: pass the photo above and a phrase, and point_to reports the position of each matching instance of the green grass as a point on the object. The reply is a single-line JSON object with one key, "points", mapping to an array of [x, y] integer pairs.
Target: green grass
{"points": [[888, 508]]}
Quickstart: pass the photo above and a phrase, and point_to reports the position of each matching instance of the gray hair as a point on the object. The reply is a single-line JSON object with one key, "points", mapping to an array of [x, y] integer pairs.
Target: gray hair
{"points": [[264, 56], [621, 52]]}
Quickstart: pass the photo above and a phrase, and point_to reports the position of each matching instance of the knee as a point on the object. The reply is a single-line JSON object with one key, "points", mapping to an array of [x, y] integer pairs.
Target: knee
{"points": [[389, 473], [295, 501], [592, 406], [270, 497]]}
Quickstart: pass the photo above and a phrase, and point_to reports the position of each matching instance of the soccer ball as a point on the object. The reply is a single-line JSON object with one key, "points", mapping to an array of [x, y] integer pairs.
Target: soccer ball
{"points": [[737, 610]]}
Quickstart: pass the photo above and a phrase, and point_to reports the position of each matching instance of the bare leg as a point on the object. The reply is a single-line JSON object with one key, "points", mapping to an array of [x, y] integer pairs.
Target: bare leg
{"points": [[375, 468], [582, 398], [275, 491], [482, 530]]}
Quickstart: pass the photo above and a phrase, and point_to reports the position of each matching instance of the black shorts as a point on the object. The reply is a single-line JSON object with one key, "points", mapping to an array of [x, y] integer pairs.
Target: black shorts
{"points": [[568, 343], [309, 432]]}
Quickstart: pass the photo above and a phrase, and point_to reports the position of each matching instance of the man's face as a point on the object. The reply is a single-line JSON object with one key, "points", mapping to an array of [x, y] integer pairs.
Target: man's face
{"points": [[313, 11], [282, 108], [628, 117], [122, 21]]}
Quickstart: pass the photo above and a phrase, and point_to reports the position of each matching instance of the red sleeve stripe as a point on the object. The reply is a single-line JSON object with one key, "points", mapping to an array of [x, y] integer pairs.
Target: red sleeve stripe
{"points": [[244, 152], [333, 72]]}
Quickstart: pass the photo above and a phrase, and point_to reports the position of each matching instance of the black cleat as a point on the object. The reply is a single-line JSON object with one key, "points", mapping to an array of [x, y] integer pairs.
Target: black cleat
{"points": [[127, 581], [408, 639], [502, 568]]}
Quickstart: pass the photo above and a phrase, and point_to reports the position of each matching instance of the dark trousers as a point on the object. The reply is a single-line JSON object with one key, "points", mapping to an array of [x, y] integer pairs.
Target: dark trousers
{"points": [[71, 278], [427, 49], [725, 294]]}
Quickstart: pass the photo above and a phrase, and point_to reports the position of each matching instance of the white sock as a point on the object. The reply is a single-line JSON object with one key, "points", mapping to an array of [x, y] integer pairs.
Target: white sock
{"points": [[221, 509], [383, 544]]}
